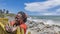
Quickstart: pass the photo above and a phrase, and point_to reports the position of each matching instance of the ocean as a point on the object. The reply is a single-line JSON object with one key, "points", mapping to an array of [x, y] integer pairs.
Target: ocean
{"points": [[46, 19]]}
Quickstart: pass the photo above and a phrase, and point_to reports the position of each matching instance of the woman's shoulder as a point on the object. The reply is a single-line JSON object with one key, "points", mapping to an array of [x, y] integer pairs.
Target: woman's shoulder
{"points": [[23, 26]]}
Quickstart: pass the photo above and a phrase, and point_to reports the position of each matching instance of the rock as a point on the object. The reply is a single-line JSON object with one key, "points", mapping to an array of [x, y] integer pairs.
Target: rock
{"points": [[59, 32], [42, 23], [47, 26], [41, 28]]}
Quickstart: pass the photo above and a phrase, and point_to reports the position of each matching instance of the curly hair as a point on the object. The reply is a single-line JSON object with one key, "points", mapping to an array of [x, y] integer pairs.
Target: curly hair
{"points": [[24, 16]]}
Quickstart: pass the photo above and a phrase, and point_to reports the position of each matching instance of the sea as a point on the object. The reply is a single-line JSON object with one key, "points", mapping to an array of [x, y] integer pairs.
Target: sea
{"points": [[48, 19]]}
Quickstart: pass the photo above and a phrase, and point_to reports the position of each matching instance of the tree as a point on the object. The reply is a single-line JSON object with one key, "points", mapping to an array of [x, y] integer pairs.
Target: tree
{"points": [[7, 12], [4, 10], [0, 11]]}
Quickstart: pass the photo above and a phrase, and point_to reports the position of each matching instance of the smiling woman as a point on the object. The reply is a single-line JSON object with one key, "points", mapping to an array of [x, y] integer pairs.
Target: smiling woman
{"points": [[20, 20]]}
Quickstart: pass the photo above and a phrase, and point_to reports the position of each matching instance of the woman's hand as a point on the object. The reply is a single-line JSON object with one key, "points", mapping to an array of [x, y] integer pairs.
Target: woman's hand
{"points": [[10, 28]]}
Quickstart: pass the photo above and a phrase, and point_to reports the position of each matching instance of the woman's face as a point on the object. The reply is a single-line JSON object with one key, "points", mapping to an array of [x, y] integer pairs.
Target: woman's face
{"points": [[18, 17]]}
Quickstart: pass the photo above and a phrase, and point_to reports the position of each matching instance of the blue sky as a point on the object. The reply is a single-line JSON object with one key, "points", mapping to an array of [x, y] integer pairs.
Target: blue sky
{"points": [[32, 7]]}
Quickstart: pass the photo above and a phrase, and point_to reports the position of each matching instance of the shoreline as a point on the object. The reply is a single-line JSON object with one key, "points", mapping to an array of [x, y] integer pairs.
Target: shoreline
{"points": [[40, 27]]}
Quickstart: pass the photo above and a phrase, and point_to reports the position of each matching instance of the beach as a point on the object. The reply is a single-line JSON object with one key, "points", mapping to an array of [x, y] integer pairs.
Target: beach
{"points": [[42, 26]]}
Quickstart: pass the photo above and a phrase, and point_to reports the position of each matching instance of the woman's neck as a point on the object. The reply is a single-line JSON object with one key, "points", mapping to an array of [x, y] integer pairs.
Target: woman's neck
{"points": [[21, 23]]}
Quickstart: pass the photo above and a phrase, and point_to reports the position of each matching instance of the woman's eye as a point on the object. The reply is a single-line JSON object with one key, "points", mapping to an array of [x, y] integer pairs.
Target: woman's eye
{"points": [[15, 18]]}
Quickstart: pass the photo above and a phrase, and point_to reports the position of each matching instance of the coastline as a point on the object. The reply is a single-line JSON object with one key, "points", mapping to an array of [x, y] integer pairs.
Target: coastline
{"points": [[42, 28]]}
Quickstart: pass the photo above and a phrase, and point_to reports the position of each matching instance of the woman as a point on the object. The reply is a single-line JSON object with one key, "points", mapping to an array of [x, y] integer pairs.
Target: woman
{"points": [[20, 20]]}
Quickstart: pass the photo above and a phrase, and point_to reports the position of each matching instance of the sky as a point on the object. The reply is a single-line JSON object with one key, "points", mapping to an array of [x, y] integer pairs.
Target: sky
{"points": [[32, 7]]}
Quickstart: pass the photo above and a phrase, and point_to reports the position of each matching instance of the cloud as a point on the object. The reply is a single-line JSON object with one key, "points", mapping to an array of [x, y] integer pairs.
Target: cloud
{"points": [[43, 7], [58, 10], [49, 14]]}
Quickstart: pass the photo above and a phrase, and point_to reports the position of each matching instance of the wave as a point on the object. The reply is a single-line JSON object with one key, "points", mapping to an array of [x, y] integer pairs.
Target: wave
{"points": [[45, 21]]}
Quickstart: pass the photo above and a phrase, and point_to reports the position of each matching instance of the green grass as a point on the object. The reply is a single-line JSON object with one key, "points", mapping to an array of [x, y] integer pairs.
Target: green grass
{"points": [[4, 15]]}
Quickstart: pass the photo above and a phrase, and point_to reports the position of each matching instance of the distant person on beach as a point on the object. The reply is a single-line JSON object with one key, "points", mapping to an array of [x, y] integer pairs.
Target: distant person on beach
{"points": [[20, 20]]}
